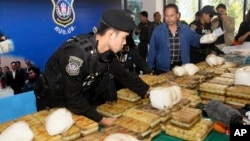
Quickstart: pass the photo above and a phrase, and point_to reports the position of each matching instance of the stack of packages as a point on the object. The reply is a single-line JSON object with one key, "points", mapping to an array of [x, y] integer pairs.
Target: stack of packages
{"points": [[185, 122], [218, 64], [127, 99], [191, 95], [216, 87], [164, 115], [144, 123], [187, 76], [115, 109], [188, 124], [50, 125], [239, 94], [209, 91]]}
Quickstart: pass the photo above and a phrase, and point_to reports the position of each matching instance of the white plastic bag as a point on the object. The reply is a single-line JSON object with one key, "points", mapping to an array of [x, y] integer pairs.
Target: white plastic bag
{"points": [[19, 131], [242, 76], [58, 121]]}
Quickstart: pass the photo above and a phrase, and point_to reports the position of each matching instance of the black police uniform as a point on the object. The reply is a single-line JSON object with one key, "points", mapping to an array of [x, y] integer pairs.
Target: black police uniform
{"points": [[74, 71], [199, 54], [144, 38], [131, 59]]}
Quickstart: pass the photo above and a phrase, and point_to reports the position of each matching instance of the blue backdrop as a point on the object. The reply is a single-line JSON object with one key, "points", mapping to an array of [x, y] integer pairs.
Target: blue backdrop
{"points": [[30, 24]]}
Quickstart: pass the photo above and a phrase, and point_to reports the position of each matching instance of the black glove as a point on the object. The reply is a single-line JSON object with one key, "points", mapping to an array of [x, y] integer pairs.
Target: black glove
{"points": [[41, 88], [111, 95], [218, 51], [105, 90]]}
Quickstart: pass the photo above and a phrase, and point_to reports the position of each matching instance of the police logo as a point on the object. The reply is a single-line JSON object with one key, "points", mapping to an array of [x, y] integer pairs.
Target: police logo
{"points": [[63, 13], [73, 67]]}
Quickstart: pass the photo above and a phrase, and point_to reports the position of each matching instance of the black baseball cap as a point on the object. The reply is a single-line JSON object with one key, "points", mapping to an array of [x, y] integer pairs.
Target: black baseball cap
{"points": [[208, 10], [118, 19]]}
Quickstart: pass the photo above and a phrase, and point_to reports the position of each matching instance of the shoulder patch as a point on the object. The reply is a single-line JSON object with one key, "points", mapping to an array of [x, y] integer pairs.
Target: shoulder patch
{"points": [[73, 67], [193, 26]]}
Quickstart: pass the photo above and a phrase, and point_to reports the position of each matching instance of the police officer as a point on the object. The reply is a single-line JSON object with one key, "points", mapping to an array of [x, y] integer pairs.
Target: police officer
{"points": [[203, 26], [130, 57], [73, 73]]}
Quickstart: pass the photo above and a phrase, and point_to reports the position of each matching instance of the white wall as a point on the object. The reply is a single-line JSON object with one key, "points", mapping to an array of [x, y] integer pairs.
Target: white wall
{"points": [[152, 6]]}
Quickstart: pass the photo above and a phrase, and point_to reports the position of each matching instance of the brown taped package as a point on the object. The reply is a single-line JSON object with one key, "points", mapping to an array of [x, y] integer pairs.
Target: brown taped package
{"points": [[213, 88], [222, 80], [97, 136], [211, 96], [163, 114], [30, 119], [119, 129], [86, 125], [71, 134], [149, 118], [127, 94], [186, 117], [152, 80], [135, 125], [236, 102], [41, 115], [239, 92], [116, 109], [41, 134], [197, 133]]}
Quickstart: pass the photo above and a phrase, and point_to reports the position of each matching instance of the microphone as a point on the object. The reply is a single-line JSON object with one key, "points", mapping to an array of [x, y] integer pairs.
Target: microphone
{"points": [[221, 112]]}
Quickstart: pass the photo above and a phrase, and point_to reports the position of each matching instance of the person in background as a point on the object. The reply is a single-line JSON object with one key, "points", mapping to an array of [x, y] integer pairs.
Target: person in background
{"points": [[170, 42], [143, 30], [15, 79], [1, 71], [157, 18], [196, 18], [157, 21], [28, 64], [130, 57], [21, 70], [33, 75], [202, 27], [243, 34], [227, 24], [6, 69], [1, 78], [74, 72]]}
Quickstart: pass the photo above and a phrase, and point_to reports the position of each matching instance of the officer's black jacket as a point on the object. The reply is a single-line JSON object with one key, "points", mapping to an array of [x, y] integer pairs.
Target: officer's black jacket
{"points": [[133, 57], [71, 86]]}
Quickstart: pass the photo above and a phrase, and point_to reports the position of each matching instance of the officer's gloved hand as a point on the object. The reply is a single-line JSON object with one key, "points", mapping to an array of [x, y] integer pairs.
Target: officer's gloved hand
{"points": [[218, 51], [111, 98], [111, 95]]}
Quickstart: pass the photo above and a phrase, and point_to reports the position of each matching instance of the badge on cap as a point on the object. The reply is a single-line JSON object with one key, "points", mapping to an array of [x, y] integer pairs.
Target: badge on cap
{"points": [[73, 67]]}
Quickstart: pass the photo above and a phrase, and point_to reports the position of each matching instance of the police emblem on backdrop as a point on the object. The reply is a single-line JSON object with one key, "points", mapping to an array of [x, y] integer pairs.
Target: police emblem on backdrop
{"points": [[73, 67], [63, 13]]}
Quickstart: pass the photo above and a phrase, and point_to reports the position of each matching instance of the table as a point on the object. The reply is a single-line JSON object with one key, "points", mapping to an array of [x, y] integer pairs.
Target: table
{"points": [[241, 60], [212, 136]]}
